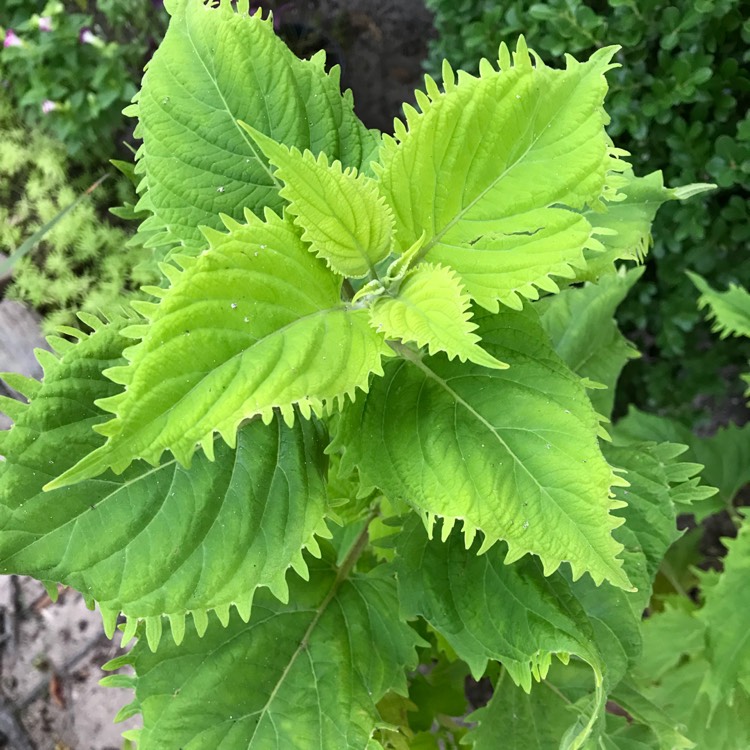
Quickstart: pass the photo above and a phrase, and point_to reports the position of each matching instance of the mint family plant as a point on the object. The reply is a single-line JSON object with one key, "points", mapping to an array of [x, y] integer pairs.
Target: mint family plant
{"points": [[361, 425]]}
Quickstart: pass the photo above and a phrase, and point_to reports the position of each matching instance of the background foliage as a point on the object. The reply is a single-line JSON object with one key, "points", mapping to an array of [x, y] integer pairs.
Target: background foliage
{"points": [[82, 262], [679, 103], [75, 65]]}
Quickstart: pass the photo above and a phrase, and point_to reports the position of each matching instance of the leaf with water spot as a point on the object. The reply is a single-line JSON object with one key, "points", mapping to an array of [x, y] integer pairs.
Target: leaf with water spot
{"points": [[218, 530], [253, 326]]}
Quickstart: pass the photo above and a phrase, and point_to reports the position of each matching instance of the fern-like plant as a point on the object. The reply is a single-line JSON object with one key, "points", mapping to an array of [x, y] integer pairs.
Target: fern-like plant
{"points": [[354, 429], [83, 261]]}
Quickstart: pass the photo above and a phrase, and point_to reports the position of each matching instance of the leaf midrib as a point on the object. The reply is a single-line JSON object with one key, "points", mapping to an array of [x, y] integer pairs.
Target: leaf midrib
{"points": [[470, 409]]}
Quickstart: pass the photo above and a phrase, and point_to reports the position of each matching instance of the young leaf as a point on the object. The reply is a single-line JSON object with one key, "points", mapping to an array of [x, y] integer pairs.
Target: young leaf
{"points": [[431, 308], [342, 214], [513, 453], [729, 311], [253, 324], [496, 170], [305, 675], [624, 229], [580, 322], [218, 530], [214, 67]]}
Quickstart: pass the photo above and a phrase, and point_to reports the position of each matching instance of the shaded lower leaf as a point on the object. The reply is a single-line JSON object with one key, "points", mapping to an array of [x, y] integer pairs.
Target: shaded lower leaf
{"points": [[305, 675], [515, 720], [728, 311], [725, 618], [674, 669], [552, 716], [486, 609], [580, 322], [725, 456], [153, 541]]}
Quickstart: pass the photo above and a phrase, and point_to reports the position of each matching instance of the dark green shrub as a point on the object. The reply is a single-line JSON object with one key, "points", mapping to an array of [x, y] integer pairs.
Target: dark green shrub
{"points": [[679, 103]]}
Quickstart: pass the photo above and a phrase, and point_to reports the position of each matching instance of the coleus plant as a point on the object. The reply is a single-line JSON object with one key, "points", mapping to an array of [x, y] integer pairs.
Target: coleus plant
{"points": [[354, 449]]}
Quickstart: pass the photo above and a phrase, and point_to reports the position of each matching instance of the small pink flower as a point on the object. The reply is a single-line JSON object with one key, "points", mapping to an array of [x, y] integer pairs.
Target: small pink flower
{"points": [[88, 37], [48, 106], [45, 23], [12, 39]]}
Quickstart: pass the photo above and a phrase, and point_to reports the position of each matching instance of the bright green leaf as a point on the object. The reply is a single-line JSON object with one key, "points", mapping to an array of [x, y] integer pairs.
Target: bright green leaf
{"points": [[496, 170], [431, 307], [221, 529], [256, 323], [512, 453], [342, 214], [214, 67]]}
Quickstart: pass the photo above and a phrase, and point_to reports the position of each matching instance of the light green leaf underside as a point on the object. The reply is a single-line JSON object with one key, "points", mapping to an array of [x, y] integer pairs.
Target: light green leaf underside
{"points": [[431, 308], [729, 311], [254, 324], [496, 170], [580, 322], [213, 68], [725, 617], [306, 675], [624, 229], [155, 541], [512, 453], [342, 214]]}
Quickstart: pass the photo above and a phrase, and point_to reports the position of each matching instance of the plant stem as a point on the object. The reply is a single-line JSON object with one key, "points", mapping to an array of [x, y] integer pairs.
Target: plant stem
{"points": [[343, 573], [347, 290]]}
